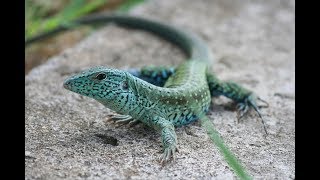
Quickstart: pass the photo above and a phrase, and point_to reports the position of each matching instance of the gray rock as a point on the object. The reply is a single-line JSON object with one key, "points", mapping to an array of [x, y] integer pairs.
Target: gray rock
{"points": [[66, 136]]}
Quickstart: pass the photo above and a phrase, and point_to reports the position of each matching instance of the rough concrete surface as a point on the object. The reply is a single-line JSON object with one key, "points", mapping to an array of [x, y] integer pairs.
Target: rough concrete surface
{"points": [[66, 136]]}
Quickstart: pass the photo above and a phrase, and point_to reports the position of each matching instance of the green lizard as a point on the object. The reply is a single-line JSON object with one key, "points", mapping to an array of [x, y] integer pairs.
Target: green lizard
{"points": [[160, 97]]}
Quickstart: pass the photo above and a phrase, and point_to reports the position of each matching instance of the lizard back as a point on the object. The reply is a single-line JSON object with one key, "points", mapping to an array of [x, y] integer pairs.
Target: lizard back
{"points": [[184, 97]]}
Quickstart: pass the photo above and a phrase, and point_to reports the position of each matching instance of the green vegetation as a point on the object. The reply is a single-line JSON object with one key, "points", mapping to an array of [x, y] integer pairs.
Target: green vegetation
{"points": [[39, 18], [127, 5], [230, 158]]}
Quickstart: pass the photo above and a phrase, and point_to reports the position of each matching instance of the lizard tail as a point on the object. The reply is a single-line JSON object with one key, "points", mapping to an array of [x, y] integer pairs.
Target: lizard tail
{"points": [[190, 43]]}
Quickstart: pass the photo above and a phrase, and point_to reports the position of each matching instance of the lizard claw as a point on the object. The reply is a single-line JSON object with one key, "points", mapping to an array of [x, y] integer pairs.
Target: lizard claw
{"points": [[251, 101], [242, 109], [121, 120], [265, 102], [167, 154], [134, 123]]}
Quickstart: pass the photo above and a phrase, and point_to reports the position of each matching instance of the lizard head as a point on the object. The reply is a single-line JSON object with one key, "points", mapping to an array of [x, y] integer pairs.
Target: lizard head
{"points": [[106, 85]]}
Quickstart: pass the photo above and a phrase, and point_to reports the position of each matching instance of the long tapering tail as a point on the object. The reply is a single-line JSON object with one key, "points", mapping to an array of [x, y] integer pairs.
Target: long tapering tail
{"points": [[190, 43]]}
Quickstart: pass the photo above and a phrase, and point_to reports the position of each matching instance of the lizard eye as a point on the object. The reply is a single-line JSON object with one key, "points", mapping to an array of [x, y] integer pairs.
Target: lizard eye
{"points": [[101, 76]]}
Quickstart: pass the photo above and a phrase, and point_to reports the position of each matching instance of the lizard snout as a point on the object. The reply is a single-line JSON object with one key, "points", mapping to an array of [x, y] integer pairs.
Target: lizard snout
{"points": [[66, 84]]}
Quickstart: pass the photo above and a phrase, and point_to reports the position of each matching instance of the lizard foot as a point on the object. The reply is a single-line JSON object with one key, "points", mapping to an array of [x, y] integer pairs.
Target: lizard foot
{"points": [[167, 154], [122, 120], [251, 102]]}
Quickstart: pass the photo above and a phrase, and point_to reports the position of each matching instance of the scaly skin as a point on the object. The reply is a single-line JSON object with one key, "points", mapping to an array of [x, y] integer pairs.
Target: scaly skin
{"points": [[137, 95]]}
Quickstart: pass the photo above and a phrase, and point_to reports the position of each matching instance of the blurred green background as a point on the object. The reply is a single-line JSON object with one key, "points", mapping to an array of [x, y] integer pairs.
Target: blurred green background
{"points": [[44, 15]]}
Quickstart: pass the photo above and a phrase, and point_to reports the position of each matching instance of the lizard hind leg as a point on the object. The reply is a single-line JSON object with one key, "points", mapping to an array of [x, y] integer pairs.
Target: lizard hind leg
{"points": [[244, 98]]}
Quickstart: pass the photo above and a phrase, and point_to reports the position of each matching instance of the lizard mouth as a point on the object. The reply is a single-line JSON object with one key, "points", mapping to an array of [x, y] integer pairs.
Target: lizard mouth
{"points": [[67, 84]]}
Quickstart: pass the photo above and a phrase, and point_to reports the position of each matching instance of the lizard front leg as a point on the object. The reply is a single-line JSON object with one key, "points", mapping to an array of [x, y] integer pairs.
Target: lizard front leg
{"points": [[168, 138]]}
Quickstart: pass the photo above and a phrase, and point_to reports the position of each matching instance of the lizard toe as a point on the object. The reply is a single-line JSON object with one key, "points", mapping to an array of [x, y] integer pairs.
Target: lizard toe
{"points": [[167, 155]]}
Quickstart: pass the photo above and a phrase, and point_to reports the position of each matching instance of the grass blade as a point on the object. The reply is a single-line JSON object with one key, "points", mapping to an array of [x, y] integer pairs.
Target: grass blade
{"points": [[228, 155], [127, 5]]}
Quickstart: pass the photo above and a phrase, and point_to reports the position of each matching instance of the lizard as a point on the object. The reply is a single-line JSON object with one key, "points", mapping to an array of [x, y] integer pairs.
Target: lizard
{"points": [[163, 98]]}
